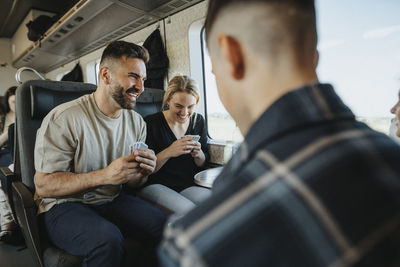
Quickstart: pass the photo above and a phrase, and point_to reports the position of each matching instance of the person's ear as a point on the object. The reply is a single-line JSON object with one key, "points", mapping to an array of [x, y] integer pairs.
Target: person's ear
{"points": [[105, 75], [232, 52]]}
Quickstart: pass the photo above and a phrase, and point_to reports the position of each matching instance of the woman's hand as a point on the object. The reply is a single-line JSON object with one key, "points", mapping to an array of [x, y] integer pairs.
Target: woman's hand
{"points": [[198, 155], [181, 146], [197, 152]]}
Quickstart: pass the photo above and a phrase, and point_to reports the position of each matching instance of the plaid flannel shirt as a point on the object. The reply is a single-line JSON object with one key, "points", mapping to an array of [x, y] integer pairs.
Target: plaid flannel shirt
{"points": [[309, 186]]}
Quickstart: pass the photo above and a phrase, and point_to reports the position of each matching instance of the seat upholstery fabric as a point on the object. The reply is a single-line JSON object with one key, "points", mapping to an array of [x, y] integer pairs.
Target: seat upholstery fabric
{"points": [[149, 102], [34, 99]]}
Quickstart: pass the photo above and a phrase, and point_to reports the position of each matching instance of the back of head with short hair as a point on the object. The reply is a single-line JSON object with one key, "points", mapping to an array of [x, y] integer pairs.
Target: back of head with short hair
{"points": [[180, 84], [117, 49], [267, 26]]}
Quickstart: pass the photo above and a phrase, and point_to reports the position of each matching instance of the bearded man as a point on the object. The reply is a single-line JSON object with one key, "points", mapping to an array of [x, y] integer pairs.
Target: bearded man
{"points": [[82, 159]]}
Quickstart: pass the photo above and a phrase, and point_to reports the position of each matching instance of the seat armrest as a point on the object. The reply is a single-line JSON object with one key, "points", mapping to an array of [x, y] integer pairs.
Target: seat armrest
{"points": [[6, 171], [27, 217], [24, 196]]}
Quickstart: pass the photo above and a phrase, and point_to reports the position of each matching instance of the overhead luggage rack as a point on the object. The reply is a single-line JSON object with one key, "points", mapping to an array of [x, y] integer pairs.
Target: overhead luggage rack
{"points": [[90, 24]]}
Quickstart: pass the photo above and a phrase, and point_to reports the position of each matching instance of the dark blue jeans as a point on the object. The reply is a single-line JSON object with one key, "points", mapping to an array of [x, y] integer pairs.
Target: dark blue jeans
{"points": [[96, 232], [5, 157]]}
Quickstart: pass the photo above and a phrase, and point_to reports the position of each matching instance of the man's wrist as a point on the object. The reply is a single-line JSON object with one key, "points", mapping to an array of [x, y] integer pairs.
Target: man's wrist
{"points": [[138, 181], [99, 177]]}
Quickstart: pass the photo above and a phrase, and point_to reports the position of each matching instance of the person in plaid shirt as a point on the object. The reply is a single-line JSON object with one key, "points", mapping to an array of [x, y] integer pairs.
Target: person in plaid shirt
{"points": [[309, 185]]}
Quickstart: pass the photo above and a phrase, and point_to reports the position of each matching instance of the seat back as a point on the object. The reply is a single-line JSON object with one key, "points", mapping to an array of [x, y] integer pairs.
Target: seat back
{"points": [[34, 99], [11, 139], [149, 102]]}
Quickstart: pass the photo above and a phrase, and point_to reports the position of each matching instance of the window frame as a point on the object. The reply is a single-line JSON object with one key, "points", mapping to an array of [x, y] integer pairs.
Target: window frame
{"points": [[91, 71], [197, 68], [197, 62]]}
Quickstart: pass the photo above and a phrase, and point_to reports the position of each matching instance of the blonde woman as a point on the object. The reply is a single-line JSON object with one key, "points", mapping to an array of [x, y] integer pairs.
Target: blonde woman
{"points": [[179, 158]]}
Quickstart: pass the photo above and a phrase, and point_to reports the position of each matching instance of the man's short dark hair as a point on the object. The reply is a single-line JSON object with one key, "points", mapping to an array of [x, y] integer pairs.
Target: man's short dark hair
{"points": [[118, 49], [296, 25], [215, 6]]}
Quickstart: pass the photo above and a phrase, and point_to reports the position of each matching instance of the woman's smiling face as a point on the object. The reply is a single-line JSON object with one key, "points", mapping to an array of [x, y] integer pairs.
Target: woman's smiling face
{"points": [[181, 106]]}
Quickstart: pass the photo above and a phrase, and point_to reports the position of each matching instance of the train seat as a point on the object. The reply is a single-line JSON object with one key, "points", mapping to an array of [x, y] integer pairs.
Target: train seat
{"points": [[34, 99], [149, 102]]}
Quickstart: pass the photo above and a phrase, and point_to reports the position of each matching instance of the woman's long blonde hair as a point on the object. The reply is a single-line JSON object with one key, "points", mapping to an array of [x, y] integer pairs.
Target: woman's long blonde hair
{"points": [[180, 84]]}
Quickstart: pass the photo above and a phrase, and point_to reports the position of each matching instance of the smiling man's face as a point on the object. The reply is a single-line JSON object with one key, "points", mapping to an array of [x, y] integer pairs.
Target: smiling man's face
{"points": [[127, 81]]}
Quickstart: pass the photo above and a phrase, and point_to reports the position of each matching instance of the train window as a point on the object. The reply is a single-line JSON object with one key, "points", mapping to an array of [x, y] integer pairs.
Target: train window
{"points": [[221, 126], [92, 71], [359, 54], [360, 58]]}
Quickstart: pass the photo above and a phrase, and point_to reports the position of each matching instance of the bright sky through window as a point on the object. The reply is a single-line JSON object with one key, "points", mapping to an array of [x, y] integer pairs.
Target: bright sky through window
{"points": [[359, 45]]}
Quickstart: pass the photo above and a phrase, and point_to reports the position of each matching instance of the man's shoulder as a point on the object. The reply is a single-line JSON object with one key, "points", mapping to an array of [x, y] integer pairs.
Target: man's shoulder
{"points": [[379, 145], [345, 137], [363, 139], [349, 153], [134, 117], [132, 113], [345, 148]]}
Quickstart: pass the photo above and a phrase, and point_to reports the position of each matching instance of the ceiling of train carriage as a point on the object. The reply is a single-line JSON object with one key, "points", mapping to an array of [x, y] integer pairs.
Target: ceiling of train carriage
{"points": [[13, 12], [73, 35]]}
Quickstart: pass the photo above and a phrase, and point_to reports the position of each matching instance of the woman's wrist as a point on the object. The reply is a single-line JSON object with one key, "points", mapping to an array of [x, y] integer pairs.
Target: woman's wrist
{"points": [[201, 154], [201, 159], [164, 155], [167, 155]]}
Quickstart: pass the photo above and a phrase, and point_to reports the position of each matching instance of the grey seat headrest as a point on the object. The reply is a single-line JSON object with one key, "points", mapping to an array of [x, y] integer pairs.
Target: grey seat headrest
{"points": [[43, 100]]}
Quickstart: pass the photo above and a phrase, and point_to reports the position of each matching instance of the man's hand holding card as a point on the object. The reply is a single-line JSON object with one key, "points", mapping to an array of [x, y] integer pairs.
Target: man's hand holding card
{"points": [[144, 156], [137, 145]]}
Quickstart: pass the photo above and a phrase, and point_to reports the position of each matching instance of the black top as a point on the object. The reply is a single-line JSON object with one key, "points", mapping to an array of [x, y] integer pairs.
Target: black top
{"points": [[177, 173]]}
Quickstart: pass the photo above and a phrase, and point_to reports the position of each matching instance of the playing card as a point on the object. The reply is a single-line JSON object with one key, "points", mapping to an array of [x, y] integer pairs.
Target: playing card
{"points": [[137, 145], [196, 138], [141, 145]]}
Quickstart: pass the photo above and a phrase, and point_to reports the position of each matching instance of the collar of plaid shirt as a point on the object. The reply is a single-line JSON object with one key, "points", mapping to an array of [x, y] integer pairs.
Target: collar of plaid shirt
{"points": [[305, 106]]}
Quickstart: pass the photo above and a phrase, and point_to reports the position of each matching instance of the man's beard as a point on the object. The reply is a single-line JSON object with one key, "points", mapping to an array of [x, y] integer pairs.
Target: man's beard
{"points": [[118, 95]]}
